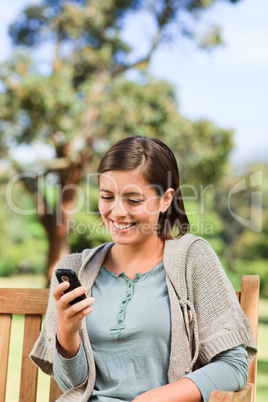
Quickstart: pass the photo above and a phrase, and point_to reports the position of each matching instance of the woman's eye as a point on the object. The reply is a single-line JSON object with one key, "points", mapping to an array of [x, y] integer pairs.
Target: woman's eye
{"points": [[103, 197], [134, 202]]}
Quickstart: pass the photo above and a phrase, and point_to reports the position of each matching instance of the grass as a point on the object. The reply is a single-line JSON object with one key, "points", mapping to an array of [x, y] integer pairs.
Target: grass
{"points": [[43, 380], [23, 281]]}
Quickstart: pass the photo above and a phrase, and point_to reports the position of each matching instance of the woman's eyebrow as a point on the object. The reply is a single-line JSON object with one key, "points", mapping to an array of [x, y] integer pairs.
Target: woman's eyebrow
{"points": [[129, 193], [106, 191]]}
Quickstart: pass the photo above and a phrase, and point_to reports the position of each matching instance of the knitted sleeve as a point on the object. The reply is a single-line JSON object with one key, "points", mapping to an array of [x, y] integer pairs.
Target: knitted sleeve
{"points": [[222, 325]]}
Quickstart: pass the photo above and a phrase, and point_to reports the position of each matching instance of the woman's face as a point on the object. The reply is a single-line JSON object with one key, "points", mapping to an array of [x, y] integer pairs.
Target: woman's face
{"points": [[129, 206]]}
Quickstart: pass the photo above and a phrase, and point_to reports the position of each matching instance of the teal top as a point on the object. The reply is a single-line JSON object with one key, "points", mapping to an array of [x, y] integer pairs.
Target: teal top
{"points": [[130, 331]]}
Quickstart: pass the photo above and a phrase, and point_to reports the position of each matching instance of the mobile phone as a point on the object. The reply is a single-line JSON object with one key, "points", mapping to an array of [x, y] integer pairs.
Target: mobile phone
{"points": [[67, 274]]}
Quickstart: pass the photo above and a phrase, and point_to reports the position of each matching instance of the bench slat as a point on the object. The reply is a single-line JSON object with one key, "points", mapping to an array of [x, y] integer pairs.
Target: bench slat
{"points": [[5, 329], [23, 301], [250, 285], [29, 371]]}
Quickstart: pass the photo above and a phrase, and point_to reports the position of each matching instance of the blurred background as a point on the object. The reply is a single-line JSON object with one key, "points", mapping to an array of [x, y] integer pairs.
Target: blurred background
{"points": [[77, 75]]}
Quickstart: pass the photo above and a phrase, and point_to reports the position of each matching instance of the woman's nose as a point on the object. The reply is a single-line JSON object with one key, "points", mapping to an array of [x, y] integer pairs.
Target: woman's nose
{"points": [[119, 208]]}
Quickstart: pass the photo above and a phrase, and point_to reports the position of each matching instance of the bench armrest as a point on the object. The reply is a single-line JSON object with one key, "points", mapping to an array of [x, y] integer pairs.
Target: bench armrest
{"points": [[245, 395]]}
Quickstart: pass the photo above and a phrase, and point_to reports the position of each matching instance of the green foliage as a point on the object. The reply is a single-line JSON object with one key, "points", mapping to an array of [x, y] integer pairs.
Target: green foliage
{"points": [[7, 266], [51, 109], [83, 102], [83, 97], [23, 245], [97, 22], [245, 247], [242, 249], [255, 267], [36, 105], [85, 228]]}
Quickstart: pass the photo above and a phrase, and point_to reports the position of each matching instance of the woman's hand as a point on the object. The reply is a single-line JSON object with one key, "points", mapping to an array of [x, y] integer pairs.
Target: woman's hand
{"points": [[70, 318]]}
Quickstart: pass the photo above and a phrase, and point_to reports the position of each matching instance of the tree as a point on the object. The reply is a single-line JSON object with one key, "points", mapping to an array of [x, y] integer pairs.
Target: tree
{"points": [[84, 102], [23, 244], [245, 216]]}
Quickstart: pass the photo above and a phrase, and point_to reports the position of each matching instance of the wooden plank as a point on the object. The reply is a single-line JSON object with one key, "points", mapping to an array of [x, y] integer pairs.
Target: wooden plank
{"points": [[29, 371], [245, 395], [220, 396], [5, 328], [23, 301], [250, 285], [55, 391]]}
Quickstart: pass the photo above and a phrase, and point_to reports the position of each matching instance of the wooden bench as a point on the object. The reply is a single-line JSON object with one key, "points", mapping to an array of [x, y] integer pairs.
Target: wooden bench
{"points": [[249, 301], [32, 304]]}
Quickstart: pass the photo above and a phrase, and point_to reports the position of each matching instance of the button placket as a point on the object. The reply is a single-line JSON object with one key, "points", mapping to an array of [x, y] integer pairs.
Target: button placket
{"points": [[120, 318]]}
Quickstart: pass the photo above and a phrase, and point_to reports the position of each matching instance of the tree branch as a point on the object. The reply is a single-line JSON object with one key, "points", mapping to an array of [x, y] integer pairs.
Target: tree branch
{"points": [[162, 19]]}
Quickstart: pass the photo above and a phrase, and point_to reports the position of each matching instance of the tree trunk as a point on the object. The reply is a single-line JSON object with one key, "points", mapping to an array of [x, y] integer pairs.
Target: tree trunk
{"points": [[58, 244], [56, 224]]}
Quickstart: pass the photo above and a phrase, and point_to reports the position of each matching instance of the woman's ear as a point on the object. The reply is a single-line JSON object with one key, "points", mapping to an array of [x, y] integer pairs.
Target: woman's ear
{"points": [[166, 199]]}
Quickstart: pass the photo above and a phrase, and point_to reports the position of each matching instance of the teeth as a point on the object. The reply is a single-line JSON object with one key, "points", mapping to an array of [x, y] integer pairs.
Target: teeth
{"points": [[122, 226]]}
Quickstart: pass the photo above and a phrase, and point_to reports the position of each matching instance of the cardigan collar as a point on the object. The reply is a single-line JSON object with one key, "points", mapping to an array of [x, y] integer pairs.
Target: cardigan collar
{"points": [[92, 260]]}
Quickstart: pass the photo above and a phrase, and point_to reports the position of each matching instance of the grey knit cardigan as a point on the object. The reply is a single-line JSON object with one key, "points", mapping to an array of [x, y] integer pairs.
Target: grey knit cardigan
{"points": [[196, 282]]}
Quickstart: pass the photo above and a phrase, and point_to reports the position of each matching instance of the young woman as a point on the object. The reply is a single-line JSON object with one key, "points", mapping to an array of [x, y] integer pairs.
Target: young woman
{"points": [[161, 321]]}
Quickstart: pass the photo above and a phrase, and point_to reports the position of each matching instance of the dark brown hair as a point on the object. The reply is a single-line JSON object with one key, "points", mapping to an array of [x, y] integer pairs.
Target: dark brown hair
{"points": [[159, 168]]}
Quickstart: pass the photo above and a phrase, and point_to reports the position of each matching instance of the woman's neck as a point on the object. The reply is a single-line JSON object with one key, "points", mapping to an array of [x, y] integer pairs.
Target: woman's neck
{"points": [[135, 258]]}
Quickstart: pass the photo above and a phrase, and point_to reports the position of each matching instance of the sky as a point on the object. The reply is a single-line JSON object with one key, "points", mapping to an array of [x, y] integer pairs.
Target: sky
{"points": [[228, 85]]}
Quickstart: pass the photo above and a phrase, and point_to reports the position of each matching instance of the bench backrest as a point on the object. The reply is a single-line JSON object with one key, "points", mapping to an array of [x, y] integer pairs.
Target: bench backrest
{"points": [[32, 304]]}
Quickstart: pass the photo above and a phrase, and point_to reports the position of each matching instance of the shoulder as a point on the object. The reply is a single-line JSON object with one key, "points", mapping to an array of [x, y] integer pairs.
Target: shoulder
{"points": [[185, 244], [70, 261], [76, 260], [190, 254]]}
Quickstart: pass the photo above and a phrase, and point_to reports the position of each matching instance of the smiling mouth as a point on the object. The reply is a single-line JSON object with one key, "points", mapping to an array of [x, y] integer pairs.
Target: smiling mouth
{"points": [[122, 225]]}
